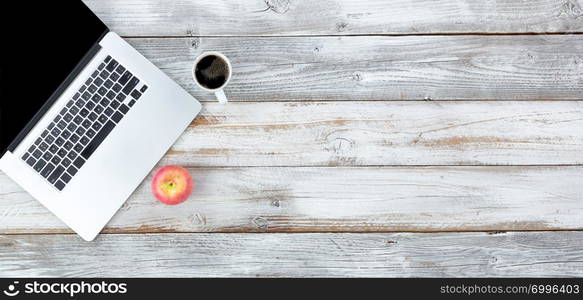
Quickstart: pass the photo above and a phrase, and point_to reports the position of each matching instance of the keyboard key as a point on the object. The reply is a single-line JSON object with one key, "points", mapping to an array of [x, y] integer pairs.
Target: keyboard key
{"points": [[130, 85], [38, 141], [108, 58], [78, 148], [56, 174], [93, 88], [47, 156], [98, 82], [72, 170], [144, 88], [99, 109], [74, 138], [53, 149], [72, 127], [75, 98], [71, 155], [59, 185], [78, 162], [66, 162], [57, 119], [120, 69], [31, 161], [36, 154], [105, 102], [108, 112], [70, 103], [108, 83], [95, 74], [31, 149], [65, 178], [86, 124], [56, 132], [68, 118], [47, 170], [62, 124], [43, 146], [25, 156], [91, 133], [63, 111], [96, 98], [132, 103], [96, 126], [68, 145], [40, 164], [55, 160], [85, 140], [114, 76], [62, 153], [92, 116], [84, 112], [82, 89], [103, 133], [44, 134], [49, 139], [124, 109], [112, 65], [101, 66], [66, 134], [110, 95], [102, 119], [90, 105], [50, 127], [136, 95], [117, 117], [104, 74], [85, 96], [125, 78], [81, 131], [88, 82], [115, 104], [101, 91], [59, 142], [116, 87], [120, 97], [80, 103], [74, 110]]}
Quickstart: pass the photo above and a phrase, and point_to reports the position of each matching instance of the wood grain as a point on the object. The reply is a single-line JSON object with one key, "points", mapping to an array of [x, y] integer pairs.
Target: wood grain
{"points": [[333, 17], [383, 133], [518, 254], [383, 68], [354, 199]]}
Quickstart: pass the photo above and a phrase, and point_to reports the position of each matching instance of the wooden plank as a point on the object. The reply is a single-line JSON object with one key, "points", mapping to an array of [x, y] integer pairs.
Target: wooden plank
{"points": [[330, 17], [383, 133], [383, 68], [278, 199], [517, 254]]}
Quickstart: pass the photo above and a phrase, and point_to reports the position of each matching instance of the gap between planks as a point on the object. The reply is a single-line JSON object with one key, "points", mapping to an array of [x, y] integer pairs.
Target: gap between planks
{"points": [[130, 232], [351, 35]]}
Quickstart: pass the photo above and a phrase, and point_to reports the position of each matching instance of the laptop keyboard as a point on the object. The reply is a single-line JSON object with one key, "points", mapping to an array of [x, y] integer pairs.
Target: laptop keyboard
{"points": [[85, 121]]}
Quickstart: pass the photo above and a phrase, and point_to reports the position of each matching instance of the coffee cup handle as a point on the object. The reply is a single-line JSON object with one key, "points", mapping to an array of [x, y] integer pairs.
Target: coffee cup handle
{"points": [[221, 97]]}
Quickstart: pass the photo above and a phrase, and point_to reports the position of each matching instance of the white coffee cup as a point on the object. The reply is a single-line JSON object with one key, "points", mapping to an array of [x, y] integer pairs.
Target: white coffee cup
{"points": [[212, 71]]}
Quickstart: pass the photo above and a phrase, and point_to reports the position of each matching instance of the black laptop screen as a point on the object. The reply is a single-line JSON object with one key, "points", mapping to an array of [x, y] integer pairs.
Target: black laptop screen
{"points": [[41, 43]]}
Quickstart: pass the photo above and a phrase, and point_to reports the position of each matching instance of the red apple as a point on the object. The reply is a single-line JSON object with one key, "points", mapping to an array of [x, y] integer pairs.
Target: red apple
{"points": [[172, 185]]}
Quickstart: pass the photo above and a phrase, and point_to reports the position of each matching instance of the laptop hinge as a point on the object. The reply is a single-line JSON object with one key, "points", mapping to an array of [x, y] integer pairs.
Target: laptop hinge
{"points": [[57, 93]]}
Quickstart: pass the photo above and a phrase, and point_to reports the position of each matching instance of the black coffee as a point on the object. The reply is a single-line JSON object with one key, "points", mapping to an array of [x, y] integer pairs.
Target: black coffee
{"points": [[212, 72]]}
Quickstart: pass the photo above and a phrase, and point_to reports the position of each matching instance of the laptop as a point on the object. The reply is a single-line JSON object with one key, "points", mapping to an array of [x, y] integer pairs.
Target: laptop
{"points": [[84, 117]]}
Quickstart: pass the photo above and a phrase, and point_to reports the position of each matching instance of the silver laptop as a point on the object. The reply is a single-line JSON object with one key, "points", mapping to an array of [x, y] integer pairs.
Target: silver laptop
{"points": [[84, 117]]}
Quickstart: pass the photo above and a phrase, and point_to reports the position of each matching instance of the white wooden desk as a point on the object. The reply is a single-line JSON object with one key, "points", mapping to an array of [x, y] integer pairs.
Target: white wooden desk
{"points": [[364, 138]]}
